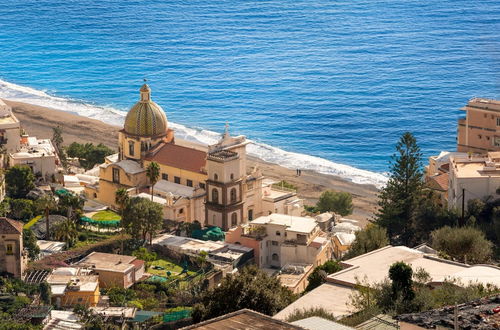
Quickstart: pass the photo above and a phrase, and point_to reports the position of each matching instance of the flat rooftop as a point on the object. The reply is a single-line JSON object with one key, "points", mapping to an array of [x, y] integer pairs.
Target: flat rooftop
{"points": [[107, 261], [186, 244], [374, 266], [295, 224]]}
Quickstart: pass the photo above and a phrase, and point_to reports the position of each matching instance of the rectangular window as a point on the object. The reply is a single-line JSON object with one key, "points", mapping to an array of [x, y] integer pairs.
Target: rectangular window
{"points": [[498, 121], [202, 185], [189, 183], [496, 141], [275, 243], [177, 180], [10, 250], [131, 145], [116, 175], [164, 176]]}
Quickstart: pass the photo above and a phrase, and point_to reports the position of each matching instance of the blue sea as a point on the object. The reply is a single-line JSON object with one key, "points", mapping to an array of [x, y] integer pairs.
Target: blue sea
{"points": [[338, 81]]}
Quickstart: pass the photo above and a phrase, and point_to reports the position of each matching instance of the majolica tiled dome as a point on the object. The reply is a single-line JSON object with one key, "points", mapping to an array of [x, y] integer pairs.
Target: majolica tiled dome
{"points": [[146, 118]]}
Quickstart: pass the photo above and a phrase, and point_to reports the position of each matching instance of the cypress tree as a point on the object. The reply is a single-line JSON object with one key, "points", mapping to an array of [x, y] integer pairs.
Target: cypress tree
{"points": [[398, 200]]}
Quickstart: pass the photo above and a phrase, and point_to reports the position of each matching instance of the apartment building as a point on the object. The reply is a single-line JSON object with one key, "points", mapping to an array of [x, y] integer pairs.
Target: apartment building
{"points": [[473, 177], [479, 130], [279, 240]]}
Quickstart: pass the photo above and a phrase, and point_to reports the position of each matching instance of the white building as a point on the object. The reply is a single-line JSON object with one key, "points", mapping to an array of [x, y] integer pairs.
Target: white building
{"points": [[10, 129], [473, 177], [39, 154], [279, 239]]}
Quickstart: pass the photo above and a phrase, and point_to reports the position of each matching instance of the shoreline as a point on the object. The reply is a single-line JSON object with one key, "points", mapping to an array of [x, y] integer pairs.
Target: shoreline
{"points": [[39, 121]]}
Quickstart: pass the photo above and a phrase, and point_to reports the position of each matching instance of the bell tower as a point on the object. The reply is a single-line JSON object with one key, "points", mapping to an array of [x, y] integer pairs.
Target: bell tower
{"points": [[226, 169]]}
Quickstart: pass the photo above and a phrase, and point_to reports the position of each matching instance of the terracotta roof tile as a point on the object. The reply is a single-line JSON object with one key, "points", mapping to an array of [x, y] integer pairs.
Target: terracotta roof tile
{"points": [[439, 182], [9, 226], [177, 156]]}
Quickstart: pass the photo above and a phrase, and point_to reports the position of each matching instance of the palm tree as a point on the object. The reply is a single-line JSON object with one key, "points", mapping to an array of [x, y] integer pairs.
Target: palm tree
{"points": [[121, 199], [45, 204], [66, 232], [153, 173]]}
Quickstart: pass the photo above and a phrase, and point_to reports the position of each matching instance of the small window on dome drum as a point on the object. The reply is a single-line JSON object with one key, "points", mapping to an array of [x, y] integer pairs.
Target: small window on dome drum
{"points": [[131, 145]]}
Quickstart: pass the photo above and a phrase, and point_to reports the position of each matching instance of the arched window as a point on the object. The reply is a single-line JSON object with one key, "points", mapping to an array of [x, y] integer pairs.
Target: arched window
{"points": [[215, 195], [233, 195], [232, 176], [278, 233], [234, 219], [181, 211], [131, 148], [216, 177], [275, 257]]}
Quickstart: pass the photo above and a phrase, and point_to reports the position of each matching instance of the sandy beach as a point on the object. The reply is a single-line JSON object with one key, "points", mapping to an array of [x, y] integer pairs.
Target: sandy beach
{"points": [[39, 121]]}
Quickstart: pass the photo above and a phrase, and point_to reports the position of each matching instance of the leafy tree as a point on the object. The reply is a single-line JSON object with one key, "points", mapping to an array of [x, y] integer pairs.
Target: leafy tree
{"points": [[120, 296], [465, 244], [70, 205], [401, 277], [431, 215], [153, 174], [319, 274], [88, 154], [21, 209], [143, 254], [251, 288], [19, 180], [45, 204], [142, 217], [398, 200], [121, 199], [45, 293], [29, 243], [5, 207], [335, 201], [371, 238]]}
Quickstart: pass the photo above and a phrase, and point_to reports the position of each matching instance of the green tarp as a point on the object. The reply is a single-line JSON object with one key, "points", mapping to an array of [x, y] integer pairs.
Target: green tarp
{"points": [[209, 234], [103, 223], [174, 316]]}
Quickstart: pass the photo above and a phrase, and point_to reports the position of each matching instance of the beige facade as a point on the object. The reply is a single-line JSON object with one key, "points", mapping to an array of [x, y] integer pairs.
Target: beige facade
{"points": [[12, 256], [114, 270], [212, 187], [39, 154], [74, 286], [279, 240], [479, 130], [10, 129], [474, 177]]}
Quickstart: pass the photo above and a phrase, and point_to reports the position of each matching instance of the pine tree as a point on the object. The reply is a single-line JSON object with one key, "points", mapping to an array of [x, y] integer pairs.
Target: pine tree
{"points": [[398, 200]]}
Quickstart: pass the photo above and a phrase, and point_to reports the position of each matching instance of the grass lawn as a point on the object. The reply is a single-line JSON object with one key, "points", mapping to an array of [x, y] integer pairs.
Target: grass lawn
{"points": [[32, 222], [167, 265], [106, 216]]}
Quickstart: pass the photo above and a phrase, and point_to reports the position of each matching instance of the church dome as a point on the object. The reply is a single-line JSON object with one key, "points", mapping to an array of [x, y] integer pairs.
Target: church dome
{"points": [[146, 118]]}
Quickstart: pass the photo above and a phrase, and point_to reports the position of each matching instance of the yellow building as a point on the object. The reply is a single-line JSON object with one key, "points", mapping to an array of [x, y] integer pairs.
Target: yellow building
{"points": [[187, 173], [146, 138], [12, 256], [74, 286]]}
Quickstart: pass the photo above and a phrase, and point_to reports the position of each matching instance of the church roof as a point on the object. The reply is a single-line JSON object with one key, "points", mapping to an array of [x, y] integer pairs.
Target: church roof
{"points": [[146, 118], [9, 226], [129, 166], [177, 156]]}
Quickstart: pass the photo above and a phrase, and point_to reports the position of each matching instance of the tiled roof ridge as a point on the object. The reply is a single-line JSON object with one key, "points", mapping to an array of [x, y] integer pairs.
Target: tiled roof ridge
{"points": [[238, 312], [18, 226]]}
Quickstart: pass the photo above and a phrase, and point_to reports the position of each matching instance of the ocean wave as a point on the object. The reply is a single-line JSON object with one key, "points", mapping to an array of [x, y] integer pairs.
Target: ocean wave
{"points": [[262, 151]]}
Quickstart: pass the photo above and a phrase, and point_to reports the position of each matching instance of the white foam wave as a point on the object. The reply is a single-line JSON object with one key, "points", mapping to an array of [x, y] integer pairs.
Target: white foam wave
{"points": [[263, 151]]}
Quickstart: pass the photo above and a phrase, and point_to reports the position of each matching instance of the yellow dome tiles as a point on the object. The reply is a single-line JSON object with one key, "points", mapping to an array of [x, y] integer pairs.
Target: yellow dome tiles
{"points": [[146, 118]]}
